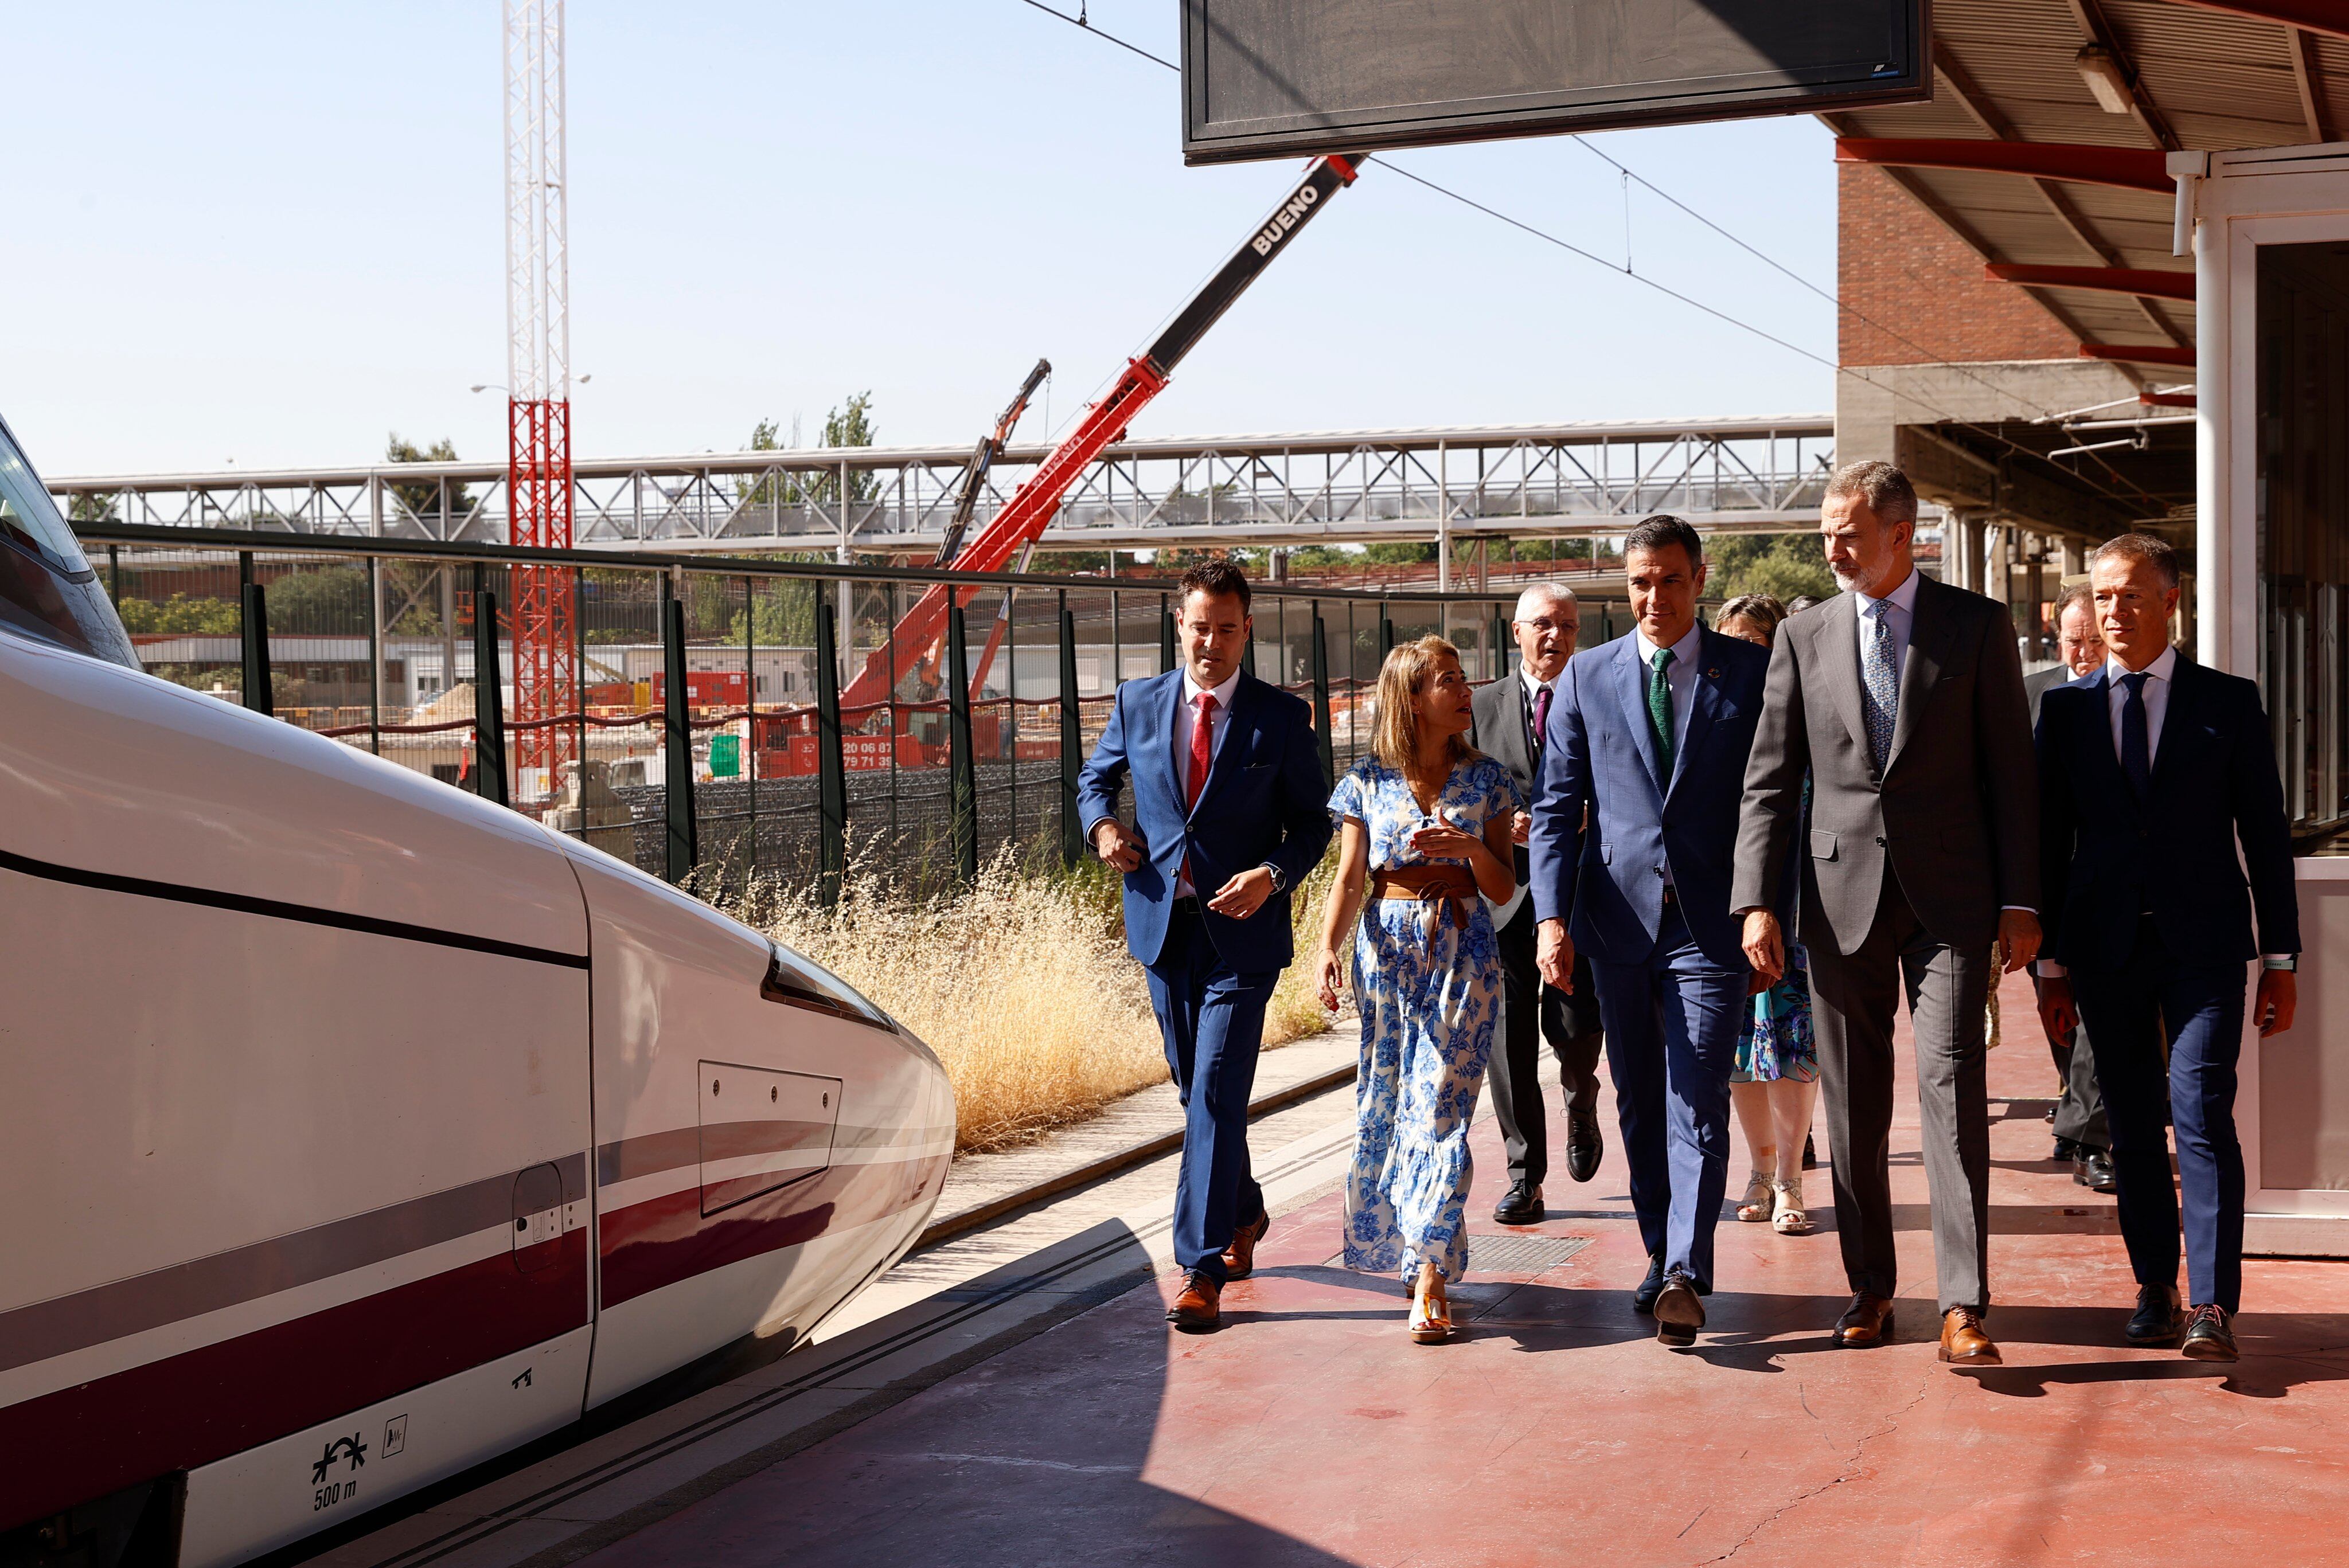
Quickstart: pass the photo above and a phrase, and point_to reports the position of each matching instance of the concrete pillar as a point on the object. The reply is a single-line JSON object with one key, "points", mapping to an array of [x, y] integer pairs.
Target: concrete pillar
{"points": [[2034, 626], [2075, 557]]}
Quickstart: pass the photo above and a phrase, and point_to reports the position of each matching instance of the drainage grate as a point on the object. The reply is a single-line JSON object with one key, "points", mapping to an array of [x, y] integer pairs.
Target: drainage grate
{"points": [[1519, 1255]]}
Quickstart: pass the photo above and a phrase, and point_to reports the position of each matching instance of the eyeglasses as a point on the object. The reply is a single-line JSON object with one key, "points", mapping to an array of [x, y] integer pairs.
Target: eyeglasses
{"points": [[1544, 624]]}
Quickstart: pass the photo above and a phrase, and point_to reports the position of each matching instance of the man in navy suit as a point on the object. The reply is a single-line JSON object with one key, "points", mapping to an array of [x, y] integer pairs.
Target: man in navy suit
{"points": [[2154, 771], [1229, 814], [1649, 735]]}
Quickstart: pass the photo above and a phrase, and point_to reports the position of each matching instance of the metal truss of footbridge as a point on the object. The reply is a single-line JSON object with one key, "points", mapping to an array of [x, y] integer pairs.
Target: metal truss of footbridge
{"points": [[1526, 481]]}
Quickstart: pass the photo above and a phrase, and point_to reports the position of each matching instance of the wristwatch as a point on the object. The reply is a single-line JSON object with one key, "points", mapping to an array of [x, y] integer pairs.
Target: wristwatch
{"points": [[1280, 883]]}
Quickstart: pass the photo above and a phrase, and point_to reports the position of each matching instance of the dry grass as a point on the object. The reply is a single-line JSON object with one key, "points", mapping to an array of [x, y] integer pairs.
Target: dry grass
{"points": [[1021, 985]]}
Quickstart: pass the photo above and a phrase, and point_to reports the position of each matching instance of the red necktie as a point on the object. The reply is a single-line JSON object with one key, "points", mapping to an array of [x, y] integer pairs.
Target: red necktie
{"points": [[1202, 750]]}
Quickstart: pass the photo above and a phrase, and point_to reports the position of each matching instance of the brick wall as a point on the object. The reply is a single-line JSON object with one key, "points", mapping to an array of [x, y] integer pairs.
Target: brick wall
{"points": [[1897, 265]]}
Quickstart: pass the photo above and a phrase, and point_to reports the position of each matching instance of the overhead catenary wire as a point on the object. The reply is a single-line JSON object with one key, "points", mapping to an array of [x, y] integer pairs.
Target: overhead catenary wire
{"points": [[1625, 269]]}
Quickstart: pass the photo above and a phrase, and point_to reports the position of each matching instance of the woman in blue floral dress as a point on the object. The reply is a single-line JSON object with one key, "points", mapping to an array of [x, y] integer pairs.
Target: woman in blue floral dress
{"points": [[1424, 824], [1776, 1080]]}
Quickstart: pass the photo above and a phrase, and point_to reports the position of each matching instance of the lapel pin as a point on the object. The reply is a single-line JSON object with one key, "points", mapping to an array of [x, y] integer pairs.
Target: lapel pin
{"points": [[1713, 675]]}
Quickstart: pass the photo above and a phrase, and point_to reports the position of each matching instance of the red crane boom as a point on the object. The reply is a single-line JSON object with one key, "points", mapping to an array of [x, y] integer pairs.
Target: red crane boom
{"points": [[1031, 507]]}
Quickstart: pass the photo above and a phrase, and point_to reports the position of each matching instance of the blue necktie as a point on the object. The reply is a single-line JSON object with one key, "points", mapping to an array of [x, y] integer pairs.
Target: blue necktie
{"points": [[2136, 742], [1879, 693]]}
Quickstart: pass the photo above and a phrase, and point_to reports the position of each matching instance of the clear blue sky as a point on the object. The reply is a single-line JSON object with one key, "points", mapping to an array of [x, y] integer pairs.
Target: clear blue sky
{"points": [[272, 234]]}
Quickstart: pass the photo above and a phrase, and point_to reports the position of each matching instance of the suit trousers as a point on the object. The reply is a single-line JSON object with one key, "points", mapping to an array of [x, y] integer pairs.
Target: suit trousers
{"points": [[1671, 1042], [2199, 1007], [1211, 1019], [1853, 999], [1532, 1012], [2080, 1114]]}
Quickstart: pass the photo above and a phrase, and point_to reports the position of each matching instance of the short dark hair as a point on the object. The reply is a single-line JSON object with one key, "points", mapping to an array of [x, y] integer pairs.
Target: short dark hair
{"points": [[1802, 602], [1215, 579], [2155, 552], [1655, 532], [1884, 489]]}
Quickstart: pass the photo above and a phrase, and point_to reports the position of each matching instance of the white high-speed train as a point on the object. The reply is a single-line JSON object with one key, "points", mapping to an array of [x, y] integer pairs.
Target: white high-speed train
{"points": [[353, 1130]]}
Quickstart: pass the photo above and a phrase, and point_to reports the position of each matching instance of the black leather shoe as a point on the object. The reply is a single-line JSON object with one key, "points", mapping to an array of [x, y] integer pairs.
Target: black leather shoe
{"points": [[2156, 1320], [2093, 1168], [1644, 1298], [2208, 1337], [2049, 1115], [1523, 1206], [1584, 1144], [1679, 1312], [2065, 1151]]}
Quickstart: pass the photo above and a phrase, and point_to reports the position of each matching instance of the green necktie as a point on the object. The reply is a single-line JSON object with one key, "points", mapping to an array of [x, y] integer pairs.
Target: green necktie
{"points": [[1660, 708]]}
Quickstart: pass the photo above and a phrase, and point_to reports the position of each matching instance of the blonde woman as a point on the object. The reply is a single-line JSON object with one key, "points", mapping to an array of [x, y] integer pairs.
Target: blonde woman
{"points": [[1424, 823]]}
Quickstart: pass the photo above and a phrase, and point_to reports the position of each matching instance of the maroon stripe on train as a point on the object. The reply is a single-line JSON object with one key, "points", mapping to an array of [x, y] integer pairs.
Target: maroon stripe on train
{"points": [[41, 1329], [649, 1153], [666, 1239], [203, 1405]]}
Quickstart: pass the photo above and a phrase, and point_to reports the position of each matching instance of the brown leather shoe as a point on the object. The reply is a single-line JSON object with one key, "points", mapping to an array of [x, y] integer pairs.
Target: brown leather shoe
{"points": [[1239, 1258], [1196, 1310], [1866, 1321], [1964, 1342]]}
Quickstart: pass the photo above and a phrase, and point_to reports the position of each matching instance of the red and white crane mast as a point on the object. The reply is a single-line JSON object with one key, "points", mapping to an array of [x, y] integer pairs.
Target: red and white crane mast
{"points": [[544, 612]]}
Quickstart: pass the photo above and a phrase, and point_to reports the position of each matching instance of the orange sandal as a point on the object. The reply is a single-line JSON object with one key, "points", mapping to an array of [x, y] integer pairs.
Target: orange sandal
{"points": [[1431, 1320]]}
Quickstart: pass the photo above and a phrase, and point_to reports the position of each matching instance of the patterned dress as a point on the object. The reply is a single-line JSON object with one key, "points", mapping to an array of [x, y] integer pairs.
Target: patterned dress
{"points": [[1774, 1041], [1428, 1010]]}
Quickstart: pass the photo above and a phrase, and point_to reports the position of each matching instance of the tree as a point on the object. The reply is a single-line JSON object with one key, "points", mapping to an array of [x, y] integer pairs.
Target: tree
{"points": [[849, 425], [773, 490], [1783, 565], [94, 506], [423, 499]]}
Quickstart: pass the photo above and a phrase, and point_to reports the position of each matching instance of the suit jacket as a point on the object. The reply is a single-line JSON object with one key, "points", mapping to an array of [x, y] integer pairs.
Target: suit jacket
{"points": [[1502, 731], [1263, 803], [2109, 856], [2039, 683], [1608, 820], [1955, 813]]}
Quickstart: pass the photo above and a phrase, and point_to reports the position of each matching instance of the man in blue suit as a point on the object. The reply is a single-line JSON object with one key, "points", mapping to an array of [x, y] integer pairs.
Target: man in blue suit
{"points": [[1229, 814], [2154, 772], [1649, 736]]}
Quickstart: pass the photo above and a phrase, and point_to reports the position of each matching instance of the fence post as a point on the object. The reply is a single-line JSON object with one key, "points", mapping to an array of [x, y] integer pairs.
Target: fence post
{"points": [[1497, 663], [489, 702], [676, 736], [1073, 739], [1168, 654], [253, 622], [1386, 633], [1325, 736], [963, 780], [831, 773]]}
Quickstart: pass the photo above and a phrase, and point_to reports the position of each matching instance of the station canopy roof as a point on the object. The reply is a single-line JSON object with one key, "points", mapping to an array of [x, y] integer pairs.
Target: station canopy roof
{"points": [[2100, 90]]}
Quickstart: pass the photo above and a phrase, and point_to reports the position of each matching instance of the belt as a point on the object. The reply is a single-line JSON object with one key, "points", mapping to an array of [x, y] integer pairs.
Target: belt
{"points": [[1443, 890]]}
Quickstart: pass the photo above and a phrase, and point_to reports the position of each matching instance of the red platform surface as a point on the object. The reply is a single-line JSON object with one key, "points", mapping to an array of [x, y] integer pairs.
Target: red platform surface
{"points": [[1310, 1431]]}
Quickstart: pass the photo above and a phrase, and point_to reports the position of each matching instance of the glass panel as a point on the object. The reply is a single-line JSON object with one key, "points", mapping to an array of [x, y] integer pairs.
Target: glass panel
{"points": [[46, 586], [2302, 406]]}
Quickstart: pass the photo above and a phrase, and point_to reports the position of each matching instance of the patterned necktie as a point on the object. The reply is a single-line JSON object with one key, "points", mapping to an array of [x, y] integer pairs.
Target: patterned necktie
{"points": [[1202, 750], [2136, 741], [1541, 718], [1879, 691], [1660, 708]]}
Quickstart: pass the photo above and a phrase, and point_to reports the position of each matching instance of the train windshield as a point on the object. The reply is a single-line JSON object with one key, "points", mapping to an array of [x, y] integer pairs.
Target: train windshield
{"points": [[47, 589], [803, 983]]}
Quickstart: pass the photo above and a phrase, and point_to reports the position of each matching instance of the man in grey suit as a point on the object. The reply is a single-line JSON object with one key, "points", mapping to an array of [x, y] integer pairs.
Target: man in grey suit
{"points": [[2082, 1134], [1509, 717], [1902, 700]]}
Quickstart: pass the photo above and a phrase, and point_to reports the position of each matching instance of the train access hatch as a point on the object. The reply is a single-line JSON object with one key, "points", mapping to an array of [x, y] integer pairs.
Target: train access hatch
{"points": [[762, 1130]]}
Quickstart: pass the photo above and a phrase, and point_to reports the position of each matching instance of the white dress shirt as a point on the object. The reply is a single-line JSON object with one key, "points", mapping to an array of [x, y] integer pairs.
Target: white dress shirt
{"points": [[1187, 718], [1901, 620], [2164, 671], [1529, 689], [1680, 676]]}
